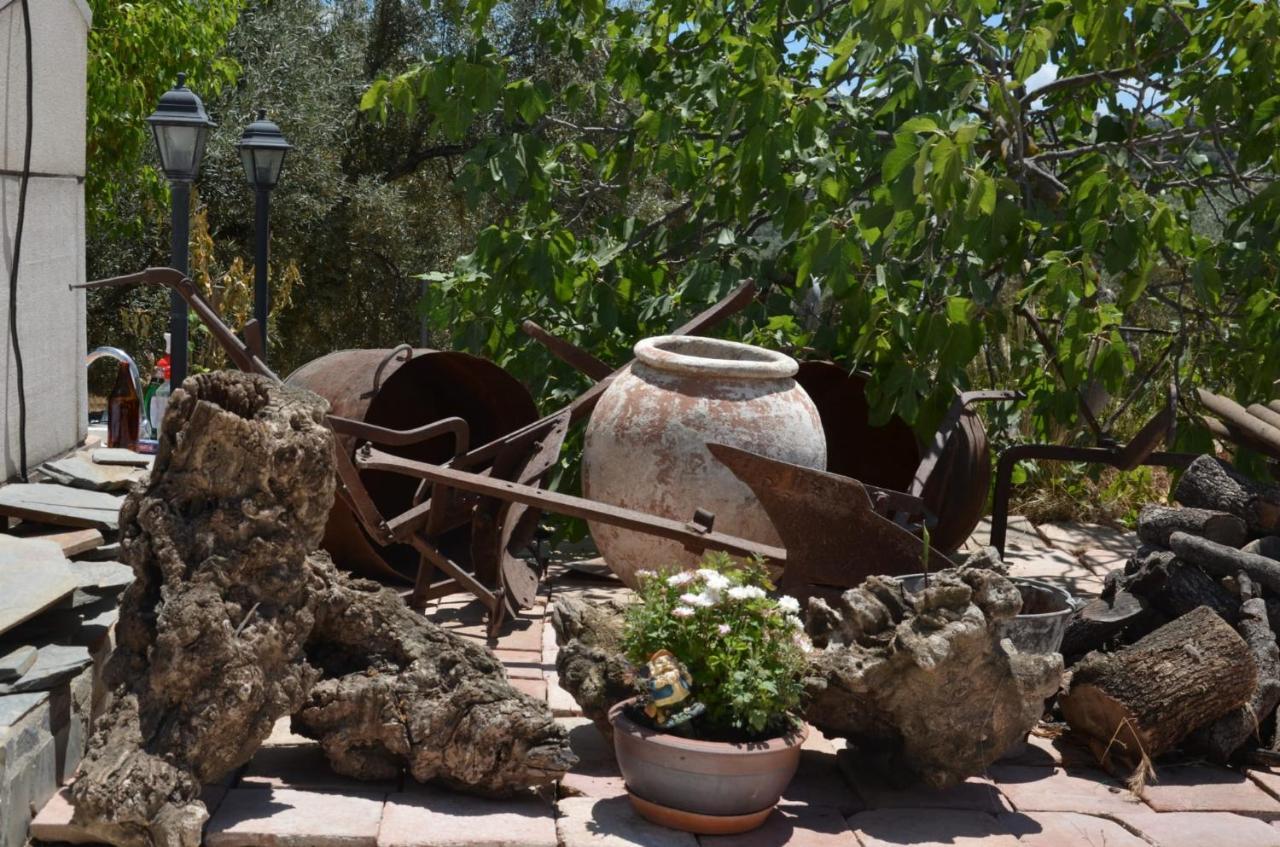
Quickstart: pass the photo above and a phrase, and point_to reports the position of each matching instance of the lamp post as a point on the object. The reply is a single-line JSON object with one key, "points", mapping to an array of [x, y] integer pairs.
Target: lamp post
{"points": [[262, 151], [181, 127]]}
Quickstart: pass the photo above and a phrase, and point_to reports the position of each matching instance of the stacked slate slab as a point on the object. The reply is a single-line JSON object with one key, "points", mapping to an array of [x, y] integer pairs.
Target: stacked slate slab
{"points": [[60, 586]]}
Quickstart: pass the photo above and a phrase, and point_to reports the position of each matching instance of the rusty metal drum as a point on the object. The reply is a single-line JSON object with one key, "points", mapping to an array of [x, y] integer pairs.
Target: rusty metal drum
{"points": [[645, 446]]}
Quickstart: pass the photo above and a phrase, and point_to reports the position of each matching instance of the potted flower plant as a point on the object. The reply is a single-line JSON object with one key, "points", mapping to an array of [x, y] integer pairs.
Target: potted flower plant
{"points": [[713, 739]]}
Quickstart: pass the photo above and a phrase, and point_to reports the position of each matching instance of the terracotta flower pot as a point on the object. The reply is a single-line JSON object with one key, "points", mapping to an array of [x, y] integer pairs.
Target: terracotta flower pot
{"points": [[707, 787], [646, 443]]}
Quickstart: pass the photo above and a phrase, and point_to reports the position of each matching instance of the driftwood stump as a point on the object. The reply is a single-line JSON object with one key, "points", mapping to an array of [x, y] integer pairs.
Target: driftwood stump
{"points": [[1139, 702], [209, 644], [399, 692], [1210, 483], [229, 627], [920, 682], [590, 663]]}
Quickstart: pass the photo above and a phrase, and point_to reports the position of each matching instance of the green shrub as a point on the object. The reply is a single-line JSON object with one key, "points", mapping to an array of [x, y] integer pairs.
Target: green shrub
{"points": [[743, 648]]}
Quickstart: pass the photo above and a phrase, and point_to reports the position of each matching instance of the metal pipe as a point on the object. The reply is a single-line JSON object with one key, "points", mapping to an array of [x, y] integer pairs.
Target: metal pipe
{"points": [[121, 356], [261, 245], [180, 238]]}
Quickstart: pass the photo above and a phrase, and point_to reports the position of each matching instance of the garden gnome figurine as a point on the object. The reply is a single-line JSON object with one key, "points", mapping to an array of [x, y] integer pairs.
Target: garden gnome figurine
{"points": [[665, 684]]}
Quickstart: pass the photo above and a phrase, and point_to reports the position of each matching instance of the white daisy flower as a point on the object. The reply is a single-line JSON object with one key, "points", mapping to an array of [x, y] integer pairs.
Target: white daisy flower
{"points": [[714, 579], [701, 601], [682, 612], [723, 629], [746, 592], [682, 578], [645, 573], [789, 604]]}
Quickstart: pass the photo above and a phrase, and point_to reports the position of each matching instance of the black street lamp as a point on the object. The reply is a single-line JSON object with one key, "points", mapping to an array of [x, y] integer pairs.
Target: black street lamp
{"points": [[181, 128], [262, 151]]}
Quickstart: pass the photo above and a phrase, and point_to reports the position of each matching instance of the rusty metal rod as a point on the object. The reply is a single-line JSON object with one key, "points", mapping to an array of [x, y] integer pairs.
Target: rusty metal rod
{"points": [[565, 504]]}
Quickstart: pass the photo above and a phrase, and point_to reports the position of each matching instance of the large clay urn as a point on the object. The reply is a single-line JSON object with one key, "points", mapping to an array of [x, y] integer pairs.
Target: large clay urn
{"points": [[646, 442]]}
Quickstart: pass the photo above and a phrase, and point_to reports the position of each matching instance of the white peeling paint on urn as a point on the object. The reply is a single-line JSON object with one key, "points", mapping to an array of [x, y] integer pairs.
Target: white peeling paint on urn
{"points": [[646, 442]]}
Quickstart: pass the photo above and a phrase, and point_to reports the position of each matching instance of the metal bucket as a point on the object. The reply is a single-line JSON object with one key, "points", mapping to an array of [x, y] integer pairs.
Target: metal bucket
{"points": [[1042, 623], [403, 388], [887, 455]]}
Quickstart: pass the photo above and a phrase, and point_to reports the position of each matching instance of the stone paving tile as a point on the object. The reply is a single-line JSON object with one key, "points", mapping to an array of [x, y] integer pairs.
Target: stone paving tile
{"points": [[974, 794], [1269, 780], [794, 826], [282, 733], [283, 817], [536, 688], [523, 632], [1205, 788], [53, 822], [303, 766], [1032, 789], [1056, 568], [561, 702], [427, 818], [1201, 829], [1060, 829], [521, 663], [936, 828], [1045, 752], [593, 822], [1103, 562], [596, 774], [1075, 537], [819, 782]]}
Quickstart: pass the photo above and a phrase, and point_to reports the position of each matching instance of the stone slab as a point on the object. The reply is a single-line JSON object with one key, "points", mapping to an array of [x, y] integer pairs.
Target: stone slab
{"points": [[282, 817], [73, 541], [794, 826], [80, 471], [1057, 829], [14, 707], [591, 822], [17, 662], [55, 664], [282, 733], [121, 456], [560, 702], [53, 822], [1034, 789], [102, 579], [61, 505], [520, 663], [596, 774], [34, 575], [819, 782], [29, 781], [535, 688], [427, 818], [1205, 788], [935, 828], [1201, 829]]}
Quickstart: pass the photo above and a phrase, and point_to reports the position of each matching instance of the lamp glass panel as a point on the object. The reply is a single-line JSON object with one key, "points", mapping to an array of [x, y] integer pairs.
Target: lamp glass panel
{"points": [[268, 163], [246, 160], [180, 147]]}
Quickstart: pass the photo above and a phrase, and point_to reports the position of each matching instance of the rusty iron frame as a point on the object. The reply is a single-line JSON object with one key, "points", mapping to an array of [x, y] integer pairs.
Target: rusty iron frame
{"points": [[471, 470]]}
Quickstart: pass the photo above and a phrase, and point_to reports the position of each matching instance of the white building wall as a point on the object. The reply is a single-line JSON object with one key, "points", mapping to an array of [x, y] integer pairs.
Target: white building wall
{"points": [[51, 317]]}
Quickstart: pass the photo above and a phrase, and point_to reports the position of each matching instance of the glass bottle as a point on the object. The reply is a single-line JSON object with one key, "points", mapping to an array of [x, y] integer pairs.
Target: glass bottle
{"points": [[124, 411]]}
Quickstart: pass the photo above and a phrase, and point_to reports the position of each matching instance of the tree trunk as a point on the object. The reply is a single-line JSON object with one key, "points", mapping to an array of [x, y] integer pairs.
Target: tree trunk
{"points": [[1140, 701], [1225, 735], [1157, 523], [1210, 483]]}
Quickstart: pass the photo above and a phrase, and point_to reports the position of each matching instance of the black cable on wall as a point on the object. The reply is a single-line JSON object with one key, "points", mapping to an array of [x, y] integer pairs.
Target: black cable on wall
{"points": [[17, 250]]}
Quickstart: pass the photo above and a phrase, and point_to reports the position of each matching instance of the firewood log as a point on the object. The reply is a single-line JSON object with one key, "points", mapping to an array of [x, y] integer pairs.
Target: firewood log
{"points": [[1140, 701], [1267, 545], [1221, 560], [1173, 587], [1224, 736], [1105, 621], [1209, 483], [1157, 523]]}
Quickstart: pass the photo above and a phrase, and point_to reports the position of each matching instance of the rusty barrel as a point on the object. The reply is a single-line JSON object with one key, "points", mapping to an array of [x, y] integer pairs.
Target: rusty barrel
{"points": [[404, 388], [887, 455]]}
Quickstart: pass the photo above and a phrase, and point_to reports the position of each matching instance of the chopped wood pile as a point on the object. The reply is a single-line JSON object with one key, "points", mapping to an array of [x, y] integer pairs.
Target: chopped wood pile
{"points": [[1180, 649]]}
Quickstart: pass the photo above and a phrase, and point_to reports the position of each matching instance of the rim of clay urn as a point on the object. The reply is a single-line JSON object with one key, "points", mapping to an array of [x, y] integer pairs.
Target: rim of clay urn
{"points": [[697, 356]]}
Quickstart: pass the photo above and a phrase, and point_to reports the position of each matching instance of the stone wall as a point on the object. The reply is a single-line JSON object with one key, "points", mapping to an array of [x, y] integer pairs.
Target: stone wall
{"points": [[51, 318]]}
